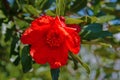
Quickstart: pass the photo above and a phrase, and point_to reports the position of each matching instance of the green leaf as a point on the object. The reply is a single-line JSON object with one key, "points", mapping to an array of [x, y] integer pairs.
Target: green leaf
{"points": [[94, 31], [73, 21], [8, 35], [111, 11], [77, 58], [78, 5], [96, 7], [15, 46], [16, 62], [26, 59], [15, 59], [106, 53], [114, 29], [87, 35], [55, 73], [105, 18], [15, 50], [10, 30], [95, 27], [110, 70], [93, 19], [43, 4], [49, 12], [2, 15], [86, 19], [74, 61], [21, 23], [30, 9], [97, 74], [60, 7]]}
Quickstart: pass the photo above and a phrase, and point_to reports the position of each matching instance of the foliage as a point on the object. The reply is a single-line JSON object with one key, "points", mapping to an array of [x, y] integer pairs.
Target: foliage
{"points": [[100, 34]]}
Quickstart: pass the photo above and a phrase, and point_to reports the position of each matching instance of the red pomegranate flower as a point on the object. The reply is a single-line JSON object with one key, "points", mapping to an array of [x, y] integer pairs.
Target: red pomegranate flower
{"points": [[50, 41]]}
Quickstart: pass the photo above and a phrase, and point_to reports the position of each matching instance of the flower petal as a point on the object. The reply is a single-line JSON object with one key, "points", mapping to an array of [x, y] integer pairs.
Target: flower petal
{"points": [[35, 31], [73, 40], [42, 53], [26, 36], [41, 22]]}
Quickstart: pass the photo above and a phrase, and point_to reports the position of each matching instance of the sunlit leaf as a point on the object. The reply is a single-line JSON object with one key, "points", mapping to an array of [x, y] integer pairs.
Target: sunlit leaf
{"points": [[86, 19], [49, 12], [60, 7], [105, 18], [30, 9], [93, 19], [21, 23], [73, 21], [2, 14]]}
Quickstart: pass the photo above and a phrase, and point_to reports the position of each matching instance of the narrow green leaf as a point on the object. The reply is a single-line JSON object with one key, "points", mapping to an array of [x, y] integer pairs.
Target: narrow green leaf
{"points": [[43, 4], [77, 58], [62, 7], [94, 31], [73, 21], [105, 18], [95, 27], [21, 23], [110, 70], [30, 9], [57, 8], [78, 5], [97, 74], [88, 35], [26, 59]]}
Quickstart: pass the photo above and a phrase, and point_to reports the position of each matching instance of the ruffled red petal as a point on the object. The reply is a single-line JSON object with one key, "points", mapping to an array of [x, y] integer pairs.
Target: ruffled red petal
{"points": [[73, 40], [29, 36], [36, 30], [41, 21]]}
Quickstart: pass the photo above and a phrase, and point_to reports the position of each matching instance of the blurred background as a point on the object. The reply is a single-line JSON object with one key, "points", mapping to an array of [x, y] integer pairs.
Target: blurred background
{"points": [[100, 34]]}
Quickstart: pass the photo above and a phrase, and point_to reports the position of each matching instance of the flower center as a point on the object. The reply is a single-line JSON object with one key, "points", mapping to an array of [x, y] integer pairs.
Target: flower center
{"points": [[54, 38]]}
